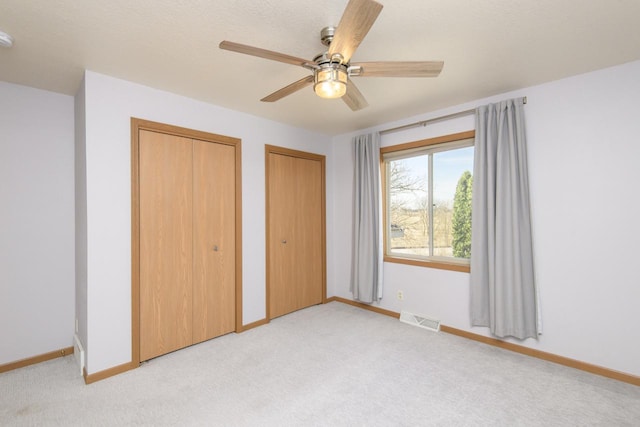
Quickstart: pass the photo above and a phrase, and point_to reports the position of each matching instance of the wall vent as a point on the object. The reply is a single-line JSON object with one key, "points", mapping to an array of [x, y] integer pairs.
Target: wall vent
{"points": [[78, 353], [422, 322]]}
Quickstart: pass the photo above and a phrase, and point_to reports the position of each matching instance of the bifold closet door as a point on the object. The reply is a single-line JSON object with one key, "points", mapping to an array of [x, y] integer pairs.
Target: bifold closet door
{"points": [[187, 242], [166, 244], [295, 233], [213, 240]]}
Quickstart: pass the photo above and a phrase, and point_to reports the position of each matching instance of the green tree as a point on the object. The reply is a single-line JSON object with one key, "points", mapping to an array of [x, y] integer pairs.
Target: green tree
{"points": [[462, 217]]}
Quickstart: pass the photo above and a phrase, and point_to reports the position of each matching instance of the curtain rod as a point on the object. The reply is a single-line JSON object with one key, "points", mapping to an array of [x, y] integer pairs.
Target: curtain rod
{"points": [[435, 119]]}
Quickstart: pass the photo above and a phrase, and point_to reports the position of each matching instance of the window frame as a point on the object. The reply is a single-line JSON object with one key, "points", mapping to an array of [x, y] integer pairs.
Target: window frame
{"points": [[438, 263]]}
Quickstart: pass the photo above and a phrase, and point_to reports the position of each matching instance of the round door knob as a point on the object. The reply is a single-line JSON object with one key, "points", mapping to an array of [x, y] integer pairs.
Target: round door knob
{"points": [[284, 241]]}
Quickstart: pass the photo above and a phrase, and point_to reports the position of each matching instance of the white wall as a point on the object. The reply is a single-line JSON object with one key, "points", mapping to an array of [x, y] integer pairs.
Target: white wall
{"points": [[583, 149], [36, 222], [582, 135], [110, 103]]}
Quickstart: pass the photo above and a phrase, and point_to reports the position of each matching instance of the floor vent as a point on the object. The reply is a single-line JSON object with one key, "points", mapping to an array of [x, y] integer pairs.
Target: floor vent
{"points": [[422, 322], [78, 353]]}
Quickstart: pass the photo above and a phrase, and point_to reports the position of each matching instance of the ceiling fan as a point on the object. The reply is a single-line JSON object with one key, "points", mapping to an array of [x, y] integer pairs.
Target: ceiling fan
{"points": [[332, 69]]}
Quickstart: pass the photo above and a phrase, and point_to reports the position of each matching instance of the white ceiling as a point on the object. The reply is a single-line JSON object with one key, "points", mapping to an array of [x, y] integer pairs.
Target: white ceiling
{"points": [[489, 47]]}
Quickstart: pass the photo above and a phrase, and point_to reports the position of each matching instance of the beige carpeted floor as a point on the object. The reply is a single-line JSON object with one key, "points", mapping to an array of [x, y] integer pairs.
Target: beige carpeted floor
{"points": [[330, 365]]}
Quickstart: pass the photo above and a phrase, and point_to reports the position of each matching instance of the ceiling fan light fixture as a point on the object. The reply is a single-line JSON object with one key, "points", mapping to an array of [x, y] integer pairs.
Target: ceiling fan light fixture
{"points": [[330, 81]]}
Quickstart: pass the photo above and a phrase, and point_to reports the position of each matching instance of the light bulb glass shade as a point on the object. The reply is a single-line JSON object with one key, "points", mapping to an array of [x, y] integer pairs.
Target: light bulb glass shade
{"points": [[330, 82]]}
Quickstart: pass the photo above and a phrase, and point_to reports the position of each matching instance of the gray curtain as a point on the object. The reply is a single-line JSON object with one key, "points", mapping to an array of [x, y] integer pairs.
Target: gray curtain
{"points": [[503, 293], [366, 264]]}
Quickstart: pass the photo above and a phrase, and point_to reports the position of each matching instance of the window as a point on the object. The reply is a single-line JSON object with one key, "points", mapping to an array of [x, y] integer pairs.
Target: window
{"points": [[427, 187]]}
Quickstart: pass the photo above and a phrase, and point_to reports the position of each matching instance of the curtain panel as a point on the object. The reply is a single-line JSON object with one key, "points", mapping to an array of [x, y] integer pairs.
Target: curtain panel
{"points": [[503, 291], [366, 264]]}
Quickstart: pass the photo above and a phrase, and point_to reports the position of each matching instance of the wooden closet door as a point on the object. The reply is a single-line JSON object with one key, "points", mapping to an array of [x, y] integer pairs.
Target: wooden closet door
{"points": [[166, 260], [296, 259], [214, 231]]}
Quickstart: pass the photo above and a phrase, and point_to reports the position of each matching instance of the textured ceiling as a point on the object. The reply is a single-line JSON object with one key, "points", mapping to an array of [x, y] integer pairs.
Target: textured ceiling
{"points": [[488, 47]]}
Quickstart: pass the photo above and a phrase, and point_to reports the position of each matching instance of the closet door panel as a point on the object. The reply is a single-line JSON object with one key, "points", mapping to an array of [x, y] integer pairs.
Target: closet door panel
{"points": [[213, 240], [283, 296], [166, 259], [308, 225]]}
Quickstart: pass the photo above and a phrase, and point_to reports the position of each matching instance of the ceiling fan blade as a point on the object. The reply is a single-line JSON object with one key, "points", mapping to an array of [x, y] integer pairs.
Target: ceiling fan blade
{"points": [[357, 19], [399, 69], [353, 98], [288, 90], [263, 53]]}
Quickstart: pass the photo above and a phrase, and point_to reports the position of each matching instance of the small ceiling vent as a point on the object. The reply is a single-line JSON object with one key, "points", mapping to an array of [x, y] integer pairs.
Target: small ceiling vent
{"points": [[422, 322]]}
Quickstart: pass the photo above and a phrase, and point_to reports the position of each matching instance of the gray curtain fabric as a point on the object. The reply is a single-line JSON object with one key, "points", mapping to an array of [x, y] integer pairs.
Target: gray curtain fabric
{"points": [[366, 264], [503, 293]]}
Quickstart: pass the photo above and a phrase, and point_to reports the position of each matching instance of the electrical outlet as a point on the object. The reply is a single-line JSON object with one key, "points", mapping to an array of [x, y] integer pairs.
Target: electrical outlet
{"points": [[76, 326], [400, 295]]}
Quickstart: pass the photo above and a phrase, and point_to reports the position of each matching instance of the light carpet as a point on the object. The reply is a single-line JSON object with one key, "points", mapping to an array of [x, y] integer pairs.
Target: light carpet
{"points": [[328, 365]]}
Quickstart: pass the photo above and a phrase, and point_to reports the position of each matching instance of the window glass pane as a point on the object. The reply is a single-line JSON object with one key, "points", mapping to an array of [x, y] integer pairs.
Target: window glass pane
{"points": [[452, 179], [428, 199], [408, 205]]}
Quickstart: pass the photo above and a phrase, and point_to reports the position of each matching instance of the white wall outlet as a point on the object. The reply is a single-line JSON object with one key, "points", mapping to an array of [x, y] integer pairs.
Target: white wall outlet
{"points": [[76, 326], [400, 295]]}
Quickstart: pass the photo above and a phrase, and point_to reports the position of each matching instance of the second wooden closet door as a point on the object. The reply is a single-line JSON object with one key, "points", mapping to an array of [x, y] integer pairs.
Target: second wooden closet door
{"points": [[295, 204], [187, 244]]}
